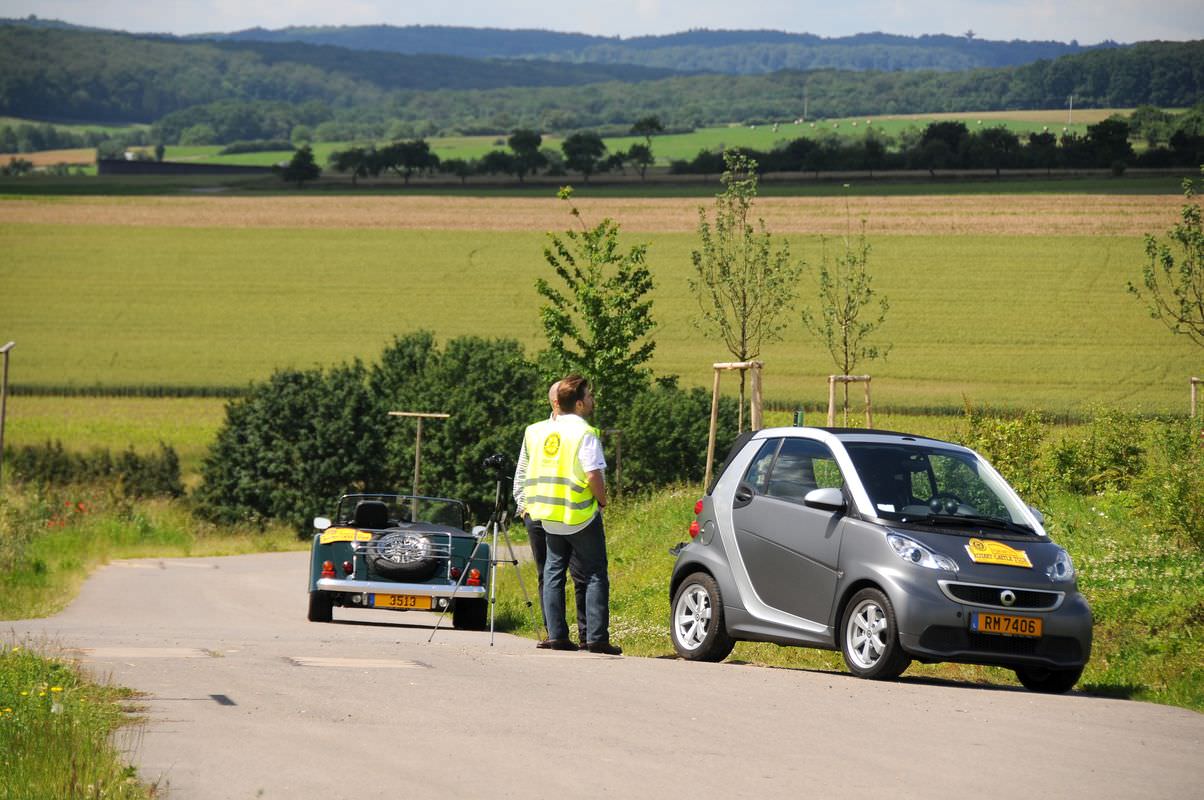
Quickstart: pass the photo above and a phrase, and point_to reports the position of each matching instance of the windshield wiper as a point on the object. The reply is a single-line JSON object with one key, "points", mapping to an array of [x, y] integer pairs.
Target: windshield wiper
{"points": [[971, 520]]}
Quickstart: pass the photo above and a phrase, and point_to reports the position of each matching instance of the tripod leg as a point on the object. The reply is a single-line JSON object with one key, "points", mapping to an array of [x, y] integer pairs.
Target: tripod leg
{"points": [[459, 582], [493, 583]]}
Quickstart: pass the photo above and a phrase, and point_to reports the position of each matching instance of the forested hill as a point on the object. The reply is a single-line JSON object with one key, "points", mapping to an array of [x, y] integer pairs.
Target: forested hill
{"points": [[57, 73], [736, 52]]}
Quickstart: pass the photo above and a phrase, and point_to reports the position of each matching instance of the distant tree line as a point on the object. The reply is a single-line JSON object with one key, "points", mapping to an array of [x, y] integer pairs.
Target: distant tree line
{"points": [[30, 138], [583, 152], [342, 94], [952, 145], [731, 51]]}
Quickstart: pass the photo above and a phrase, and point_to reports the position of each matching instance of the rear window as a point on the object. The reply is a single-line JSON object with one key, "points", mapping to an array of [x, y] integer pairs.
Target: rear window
{"points": [[790, 468]]}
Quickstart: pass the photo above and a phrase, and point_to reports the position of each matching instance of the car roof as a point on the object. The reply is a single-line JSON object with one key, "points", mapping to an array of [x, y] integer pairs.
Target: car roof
{"points": [[870, 435]]}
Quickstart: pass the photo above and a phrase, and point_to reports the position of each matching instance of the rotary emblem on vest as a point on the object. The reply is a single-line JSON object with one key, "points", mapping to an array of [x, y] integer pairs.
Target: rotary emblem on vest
{"points": [[551, 445]]}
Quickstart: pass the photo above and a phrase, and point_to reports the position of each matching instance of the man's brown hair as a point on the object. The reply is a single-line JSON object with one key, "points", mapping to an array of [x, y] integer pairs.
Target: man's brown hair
{"points": [[572, 389]]}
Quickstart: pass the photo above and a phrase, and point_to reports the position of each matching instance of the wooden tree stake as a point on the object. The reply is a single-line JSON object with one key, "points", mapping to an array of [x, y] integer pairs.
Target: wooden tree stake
{"points": [[835, 379], [754, 406]]}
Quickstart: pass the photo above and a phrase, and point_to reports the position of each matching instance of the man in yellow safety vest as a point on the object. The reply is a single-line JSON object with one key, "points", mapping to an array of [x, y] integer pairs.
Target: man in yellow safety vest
{"points": [[535, 532], [566, 492]]}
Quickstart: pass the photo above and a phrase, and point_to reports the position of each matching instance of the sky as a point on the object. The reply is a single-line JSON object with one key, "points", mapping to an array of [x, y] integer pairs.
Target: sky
{"points": [[1087, 21]]}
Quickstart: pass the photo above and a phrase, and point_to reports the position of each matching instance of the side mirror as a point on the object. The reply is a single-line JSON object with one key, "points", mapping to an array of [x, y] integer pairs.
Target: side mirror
{"points": [[1037, 513], [479, 530], [830, 499], [321, 523]]}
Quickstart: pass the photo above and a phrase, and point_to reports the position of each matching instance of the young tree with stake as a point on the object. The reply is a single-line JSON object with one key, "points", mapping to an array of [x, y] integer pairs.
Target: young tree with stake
{"points": [[744, 286], [847, 315]]}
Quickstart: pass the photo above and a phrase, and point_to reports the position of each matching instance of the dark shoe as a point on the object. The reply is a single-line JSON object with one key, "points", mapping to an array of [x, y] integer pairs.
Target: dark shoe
{"points": [[556, 644], [605, 648], [583, 645]]}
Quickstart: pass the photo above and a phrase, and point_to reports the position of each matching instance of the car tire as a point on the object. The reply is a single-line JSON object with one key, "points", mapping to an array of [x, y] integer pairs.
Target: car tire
{"points": [[321, 607], [470, 615], [1047, 679], [384, 567], [869, 637], [696, 622]]}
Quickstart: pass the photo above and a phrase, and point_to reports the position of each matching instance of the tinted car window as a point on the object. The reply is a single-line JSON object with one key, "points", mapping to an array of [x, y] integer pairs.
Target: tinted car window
{"points": [[758, 470], [801, 466]]}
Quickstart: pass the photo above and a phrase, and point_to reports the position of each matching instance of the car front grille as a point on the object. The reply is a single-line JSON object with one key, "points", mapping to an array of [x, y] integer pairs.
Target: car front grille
{"points": [[991, 596], [953, 641]]}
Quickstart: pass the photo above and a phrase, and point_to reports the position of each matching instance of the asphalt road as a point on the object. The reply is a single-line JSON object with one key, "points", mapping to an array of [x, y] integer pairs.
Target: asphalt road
{"points": [[246, 699]]}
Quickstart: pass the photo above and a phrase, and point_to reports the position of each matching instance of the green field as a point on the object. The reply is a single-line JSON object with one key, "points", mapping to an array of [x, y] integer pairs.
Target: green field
{"points": [[1009, 321], [684, 146]]}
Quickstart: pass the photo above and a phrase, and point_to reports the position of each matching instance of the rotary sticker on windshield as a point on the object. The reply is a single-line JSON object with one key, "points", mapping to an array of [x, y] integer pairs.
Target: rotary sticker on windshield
{"points": [[986, 552]]}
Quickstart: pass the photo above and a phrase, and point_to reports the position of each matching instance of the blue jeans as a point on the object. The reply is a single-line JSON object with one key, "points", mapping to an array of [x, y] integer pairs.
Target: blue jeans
{"points": [[539, 551], [588, 545]]}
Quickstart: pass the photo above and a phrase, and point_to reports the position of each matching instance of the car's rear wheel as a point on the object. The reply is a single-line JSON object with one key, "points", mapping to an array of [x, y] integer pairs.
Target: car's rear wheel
{"points": [[697, 625], [870, 637], [470, 615], [321, 607], [1048, 680]]}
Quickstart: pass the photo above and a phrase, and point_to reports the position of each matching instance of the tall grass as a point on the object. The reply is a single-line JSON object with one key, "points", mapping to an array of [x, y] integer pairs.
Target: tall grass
{"points": [[51, 539], [57, 731]]}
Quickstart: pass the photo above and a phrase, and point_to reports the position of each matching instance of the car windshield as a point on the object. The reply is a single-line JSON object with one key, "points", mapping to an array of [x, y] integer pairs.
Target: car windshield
{"points": [[932, 485], [399, 510]]}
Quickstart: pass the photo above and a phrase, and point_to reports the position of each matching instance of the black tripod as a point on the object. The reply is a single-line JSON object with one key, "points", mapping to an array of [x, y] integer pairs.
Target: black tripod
{"points": [[497, 523]]}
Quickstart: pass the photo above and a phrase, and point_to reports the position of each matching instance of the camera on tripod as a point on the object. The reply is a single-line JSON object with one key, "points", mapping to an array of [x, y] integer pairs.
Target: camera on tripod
{"points": [[497, 466]]}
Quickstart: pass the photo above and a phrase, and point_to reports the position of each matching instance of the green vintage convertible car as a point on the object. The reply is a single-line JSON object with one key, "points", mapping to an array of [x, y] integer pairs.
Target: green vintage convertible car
{"points": [[401, 553]]}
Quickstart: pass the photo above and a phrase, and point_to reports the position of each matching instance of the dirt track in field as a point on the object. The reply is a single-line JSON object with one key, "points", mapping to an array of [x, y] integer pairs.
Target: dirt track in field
{"points": [[1020, 215]]}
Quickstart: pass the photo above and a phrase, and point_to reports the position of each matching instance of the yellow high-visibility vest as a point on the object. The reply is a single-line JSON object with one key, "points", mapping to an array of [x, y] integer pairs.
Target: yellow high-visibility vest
{"points": [[556, 489]]}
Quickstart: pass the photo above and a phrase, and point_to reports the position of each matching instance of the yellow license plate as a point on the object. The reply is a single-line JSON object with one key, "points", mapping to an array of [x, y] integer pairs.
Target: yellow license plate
{"points": [[405, 601], [1005, 624]]}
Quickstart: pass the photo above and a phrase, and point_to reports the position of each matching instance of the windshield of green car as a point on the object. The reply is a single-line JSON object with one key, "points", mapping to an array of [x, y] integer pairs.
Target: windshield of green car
{"points": [[935, 486]]}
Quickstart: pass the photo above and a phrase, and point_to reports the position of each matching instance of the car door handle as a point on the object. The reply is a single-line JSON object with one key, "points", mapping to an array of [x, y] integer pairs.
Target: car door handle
{"points": [[744, 494]]}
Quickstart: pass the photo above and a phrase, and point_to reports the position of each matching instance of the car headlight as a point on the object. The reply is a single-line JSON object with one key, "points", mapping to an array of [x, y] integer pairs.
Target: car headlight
{"points": [[913, 552], [1062, 569]]}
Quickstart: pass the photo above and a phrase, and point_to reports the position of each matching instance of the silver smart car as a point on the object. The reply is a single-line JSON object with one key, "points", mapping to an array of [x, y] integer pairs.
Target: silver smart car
{"points": [[886, 546]]}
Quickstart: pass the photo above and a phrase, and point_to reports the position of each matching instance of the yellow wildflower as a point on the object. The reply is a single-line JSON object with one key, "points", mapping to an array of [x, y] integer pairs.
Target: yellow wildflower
{"points": [[56, 688]]}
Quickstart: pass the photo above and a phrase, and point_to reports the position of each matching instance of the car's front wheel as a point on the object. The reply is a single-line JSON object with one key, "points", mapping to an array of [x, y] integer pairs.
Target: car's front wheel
{"points": [[321, 607], [697, 626], [470, 615], [870, 637], [1048, 680]]}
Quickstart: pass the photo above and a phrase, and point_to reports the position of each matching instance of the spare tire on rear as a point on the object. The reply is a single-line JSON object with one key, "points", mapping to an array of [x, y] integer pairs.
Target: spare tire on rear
{"points": [[402, 556]]}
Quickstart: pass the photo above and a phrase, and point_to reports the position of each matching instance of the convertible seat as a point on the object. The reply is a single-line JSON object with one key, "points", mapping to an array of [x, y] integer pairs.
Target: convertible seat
{"points": [[371, 514]]}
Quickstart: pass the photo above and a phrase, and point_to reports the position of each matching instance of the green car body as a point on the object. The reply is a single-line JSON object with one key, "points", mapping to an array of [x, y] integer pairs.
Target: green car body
{"points": [[399, 553]]}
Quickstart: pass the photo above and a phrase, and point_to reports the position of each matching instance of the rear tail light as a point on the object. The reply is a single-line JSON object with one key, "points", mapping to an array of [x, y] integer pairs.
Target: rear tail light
{"points": [[474, 577], [327, 569], [456, 572], [348, 569], [694, 527]]}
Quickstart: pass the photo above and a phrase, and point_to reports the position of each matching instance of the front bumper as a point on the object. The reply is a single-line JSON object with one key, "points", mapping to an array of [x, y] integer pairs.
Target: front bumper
{"points": [[934, 628], [391, 587]]}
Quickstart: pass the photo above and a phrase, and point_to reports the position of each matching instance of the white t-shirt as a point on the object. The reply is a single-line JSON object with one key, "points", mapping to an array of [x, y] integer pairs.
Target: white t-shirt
{"points": [[590, 457]]}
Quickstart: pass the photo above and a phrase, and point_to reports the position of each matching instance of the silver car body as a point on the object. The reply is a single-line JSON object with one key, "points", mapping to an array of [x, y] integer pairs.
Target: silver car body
{"points": [[786, 570]]}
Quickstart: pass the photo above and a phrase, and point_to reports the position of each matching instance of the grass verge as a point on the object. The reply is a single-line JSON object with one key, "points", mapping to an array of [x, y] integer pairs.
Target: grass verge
{"points": [[1146, 592], [57, 731], [51, 540]]}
